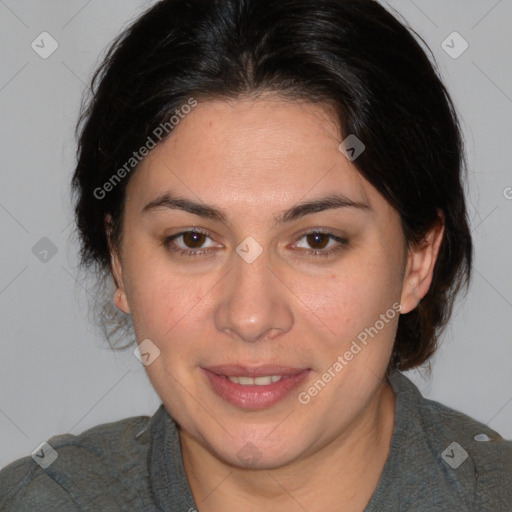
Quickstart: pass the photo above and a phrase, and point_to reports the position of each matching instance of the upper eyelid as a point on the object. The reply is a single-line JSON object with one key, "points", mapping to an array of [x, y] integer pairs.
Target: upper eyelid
{"points": [[313, 229], [325, 231]]}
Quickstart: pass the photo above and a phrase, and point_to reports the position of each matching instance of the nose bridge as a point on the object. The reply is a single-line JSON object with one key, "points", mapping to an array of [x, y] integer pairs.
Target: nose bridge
{"points": [[253, 303]]}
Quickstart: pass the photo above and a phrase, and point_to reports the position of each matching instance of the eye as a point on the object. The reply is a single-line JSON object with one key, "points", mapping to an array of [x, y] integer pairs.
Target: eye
{"points": [[320, 242], [190, 241]]}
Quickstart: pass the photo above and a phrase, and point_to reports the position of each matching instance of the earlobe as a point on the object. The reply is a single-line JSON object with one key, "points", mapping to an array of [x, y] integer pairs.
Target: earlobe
{"points": [[120, 299], [419, 270]]}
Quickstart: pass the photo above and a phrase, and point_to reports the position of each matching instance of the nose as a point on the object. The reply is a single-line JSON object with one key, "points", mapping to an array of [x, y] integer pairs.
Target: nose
{"points": [[254, 302]]}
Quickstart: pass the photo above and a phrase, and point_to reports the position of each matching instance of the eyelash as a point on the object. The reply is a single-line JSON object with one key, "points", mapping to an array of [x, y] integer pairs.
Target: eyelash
{"points": [[342, 244]]}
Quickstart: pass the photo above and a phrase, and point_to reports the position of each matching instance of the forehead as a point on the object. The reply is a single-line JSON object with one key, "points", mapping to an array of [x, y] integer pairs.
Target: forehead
{"points": [[265, 152]]}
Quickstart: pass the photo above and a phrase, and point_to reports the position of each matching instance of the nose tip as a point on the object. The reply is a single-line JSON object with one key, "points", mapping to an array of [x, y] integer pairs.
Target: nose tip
{"points": [[253, 305]]}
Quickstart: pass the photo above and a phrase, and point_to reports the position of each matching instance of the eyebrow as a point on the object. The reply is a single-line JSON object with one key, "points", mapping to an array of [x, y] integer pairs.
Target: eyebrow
{"points": [[297, 211]]}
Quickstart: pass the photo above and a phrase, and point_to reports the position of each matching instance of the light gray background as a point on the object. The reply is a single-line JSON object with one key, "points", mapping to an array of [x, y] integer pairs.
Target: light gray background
{"points": [[57, 375]]}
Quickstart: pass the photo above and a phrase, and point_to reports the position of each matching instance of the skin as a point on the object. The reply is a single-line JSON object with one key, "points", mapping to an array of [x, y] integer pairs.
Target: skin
{"points": [[254, 158]]}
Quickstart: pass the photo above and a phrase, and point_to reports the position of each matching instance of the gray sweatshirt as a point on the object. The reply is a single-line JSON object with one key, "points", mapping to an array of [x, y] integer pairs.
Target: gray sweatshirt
{"points": [[440, 460]]}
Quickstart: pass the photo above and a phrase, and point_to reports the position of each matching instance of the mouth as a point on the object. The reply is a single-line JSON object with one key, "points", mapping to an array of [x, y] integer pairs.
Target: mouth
{"points": [[254, 387]]}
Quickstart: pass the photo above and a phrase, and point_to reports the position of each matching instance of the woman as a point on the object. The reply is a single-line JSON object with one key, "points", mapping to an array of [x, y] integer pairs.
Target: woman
{"points": [[276, 189]]}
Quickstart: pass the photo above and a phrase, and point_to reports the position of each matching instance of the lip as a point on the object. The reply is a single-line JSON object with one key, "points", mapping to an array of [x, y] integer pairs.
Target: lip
{"points": [[254, 397], [233, 370]]}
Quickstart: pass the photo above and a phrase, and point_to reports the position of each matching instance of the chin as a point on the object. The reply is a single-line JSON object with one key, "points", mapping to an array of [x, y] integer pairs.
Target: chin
{"points": [[259, 453]]}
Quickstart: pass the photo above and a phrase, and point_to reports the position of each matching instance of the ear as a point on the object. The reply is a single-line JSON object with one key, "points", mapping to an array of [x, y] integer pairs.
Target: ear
{"points": [[120, 299], [419, 270]]}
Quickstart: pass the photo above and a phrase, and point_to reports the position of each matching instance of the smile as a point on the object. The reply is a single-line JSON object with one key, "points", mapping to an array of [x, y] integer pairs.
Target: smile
{"points": [[258, 381], [253, 388]]}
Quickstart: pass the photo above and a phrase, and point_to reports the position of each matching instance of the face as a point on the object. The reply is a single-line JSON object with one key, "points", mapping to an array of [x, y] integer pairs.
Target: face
{"points": [[268, 273]]}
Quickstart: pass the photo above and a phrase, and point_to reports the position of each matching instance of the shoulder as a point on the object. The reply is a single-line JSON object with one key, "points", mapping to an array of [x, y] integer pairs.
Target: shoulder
{"points": [[469, 457], [68, 472]]}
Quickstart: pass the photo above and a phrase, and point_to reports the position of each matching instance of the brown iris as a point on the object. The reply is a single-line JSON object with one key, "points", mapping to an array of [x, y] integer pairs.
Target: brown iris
{"points": [[193, 239], [317, 238]]}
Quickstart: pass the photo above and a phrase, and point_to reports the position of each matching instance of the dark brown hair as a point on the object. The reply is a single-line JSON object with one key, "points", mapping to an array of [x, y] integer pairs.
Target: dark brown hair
{"points": [[351, 54]]}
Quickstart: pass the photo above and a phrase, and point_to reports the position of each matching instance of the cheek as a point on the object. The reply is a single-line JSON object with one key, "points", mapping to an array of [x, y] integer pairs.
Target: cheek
{"points": [[352, 297], [157, 299], [158, 303], [167, 307]]}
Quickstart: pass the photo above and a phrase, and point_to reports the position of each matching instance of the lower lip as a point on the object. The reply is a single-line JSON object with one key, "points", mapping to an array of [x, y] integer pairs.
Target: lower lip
{"points": [[254, 397]]}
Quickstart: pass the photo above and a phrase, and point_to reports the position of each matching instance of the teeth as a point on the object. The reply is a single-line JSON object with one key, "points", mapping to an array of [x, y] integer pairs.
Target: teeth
{"points": [[258, 381]]}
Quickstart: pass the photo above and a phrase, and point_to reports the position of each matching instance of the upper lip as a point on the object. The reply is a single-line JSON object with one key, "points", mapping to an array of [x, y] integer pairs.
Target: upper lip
{"points": [[235, 370]]}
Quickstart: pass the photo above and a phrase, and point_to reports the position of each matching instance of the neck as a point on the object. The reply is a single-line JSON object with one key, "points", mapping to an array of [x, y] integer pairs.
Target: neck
{"points": [[344, 472]]}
